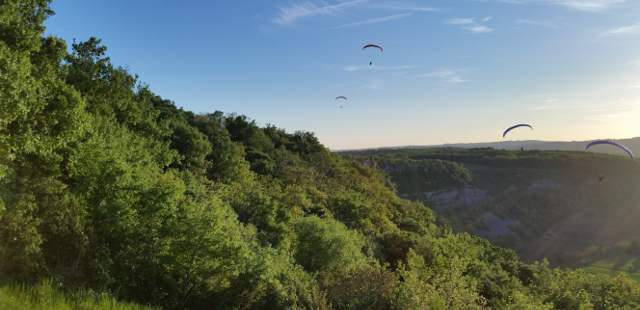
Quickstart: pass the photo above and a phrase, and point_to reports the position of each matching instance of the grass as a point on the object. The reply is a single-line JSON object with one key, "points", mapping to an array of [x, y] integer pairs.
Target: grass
{"points": [[47, 295], [611, 266], [620, 262], [635, 276]]}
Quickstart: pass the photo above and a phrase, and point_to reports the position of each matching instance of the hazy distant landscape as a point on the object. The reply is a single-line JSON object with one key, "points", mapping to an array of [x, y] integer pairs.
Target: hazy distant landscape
{"points": [[633, 144]]}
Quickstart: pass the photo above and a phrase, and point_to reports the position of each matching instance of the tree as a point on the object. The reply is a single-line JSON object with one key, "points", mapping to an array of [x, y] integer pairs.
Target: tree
{"points": [[325, 244], [40, 116]]}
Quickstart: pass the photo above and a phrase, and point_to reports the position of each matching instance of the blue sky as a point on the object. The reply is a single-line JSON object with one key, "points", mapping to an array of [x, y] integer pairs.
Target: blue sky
{"points": [[451, 72]]}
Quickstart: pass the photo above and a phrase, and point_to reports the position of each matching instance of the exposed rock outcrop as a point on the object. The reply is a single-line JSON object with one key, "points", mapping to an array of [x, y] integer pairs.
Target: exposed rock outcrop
{"points": [[462, 196], [497, 226]]}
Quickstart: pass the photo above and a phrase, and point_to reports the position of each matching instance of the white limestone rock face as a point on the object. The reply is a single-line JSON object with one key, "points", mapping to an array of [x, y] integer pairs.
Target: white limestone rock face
{"points": [[455, 197], [497, 226]]}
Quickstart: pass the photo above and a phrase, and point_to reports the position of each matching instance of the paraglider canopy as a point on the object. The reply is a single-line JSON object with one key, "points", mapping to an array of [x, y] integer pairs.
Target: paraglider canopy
{"points": [[516, 126], [341, 97], [372, 45], [611, 143]]}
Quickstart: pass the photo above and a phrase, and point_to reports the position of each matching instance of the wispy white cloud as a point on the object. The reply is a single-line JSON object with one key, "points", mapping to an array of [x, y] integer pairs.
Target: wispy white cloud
{"points": [[622, 103], [423, 9], [584, 5], [402, 7], [479, 29], [624, 30], [375, 20], [351, 68], [469, 24], [614, 107], [441, 73], [447, 75], [290, 14], [374, 84], [622, 108], [459, 21], [537, 23], [486, 19]]}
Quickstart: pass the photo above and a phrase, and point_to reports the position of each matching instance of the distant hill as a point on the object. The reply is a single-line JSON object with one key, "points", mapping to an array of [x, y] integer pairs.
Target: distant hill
{"points": [[633, 144]]}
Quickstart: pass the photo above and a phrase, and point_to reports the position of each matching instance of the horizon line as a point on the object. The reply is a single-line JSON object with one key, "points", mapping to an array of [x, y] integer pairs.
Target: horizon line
{"points": [[468, 143]]}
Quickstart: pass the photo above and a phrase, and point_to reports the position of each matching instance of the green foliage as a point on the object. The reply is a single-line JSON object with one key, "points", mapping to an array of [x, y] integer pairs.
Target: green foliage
{"points": [[110, 91], [362, 287], [579, 290], [326, 244], [190, 143], [225, 162], [39, 117], [426, 288], [570, 160], [416, 175], [22, 23], [261, 163]]}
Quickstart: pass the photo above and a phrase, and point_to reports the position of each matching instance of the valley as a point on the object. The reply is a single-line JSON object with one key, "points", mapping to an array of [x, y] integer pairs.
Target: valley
{"points": [[543, 210]]}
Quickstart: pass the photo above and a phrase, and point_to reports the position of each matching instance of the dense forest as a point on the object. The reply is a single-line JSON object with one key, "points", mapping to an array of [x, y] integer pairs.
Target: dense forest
{"points": [[106, 186]]}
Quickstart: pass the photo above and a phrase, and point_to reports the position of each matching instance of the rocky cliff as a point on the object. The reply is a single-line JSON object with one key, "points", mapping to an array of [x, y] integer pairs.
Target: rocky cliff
{"points": [[461, 196]]}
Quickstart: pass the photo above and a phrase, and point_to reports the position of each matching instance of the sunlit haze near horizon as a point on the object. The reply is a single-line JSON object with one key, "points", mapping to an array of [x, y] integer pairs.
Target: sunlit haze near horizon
{"points": [[451, 71]]}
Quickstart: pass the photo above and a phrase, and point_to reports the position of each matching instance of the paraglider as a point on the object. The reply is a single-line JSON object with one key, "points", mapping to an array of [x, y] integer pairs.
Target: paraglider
{"points": [[601, 177], [611, 143], [372, 45], [516, 126], [341, 97], [522, 149]]}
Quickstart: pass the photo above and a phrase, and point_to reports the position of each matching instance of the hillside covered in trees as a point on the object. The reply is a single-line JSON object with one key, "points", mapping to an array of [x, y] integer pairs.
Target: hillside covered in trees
{"points": [[575, 208], [107, 186]]}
